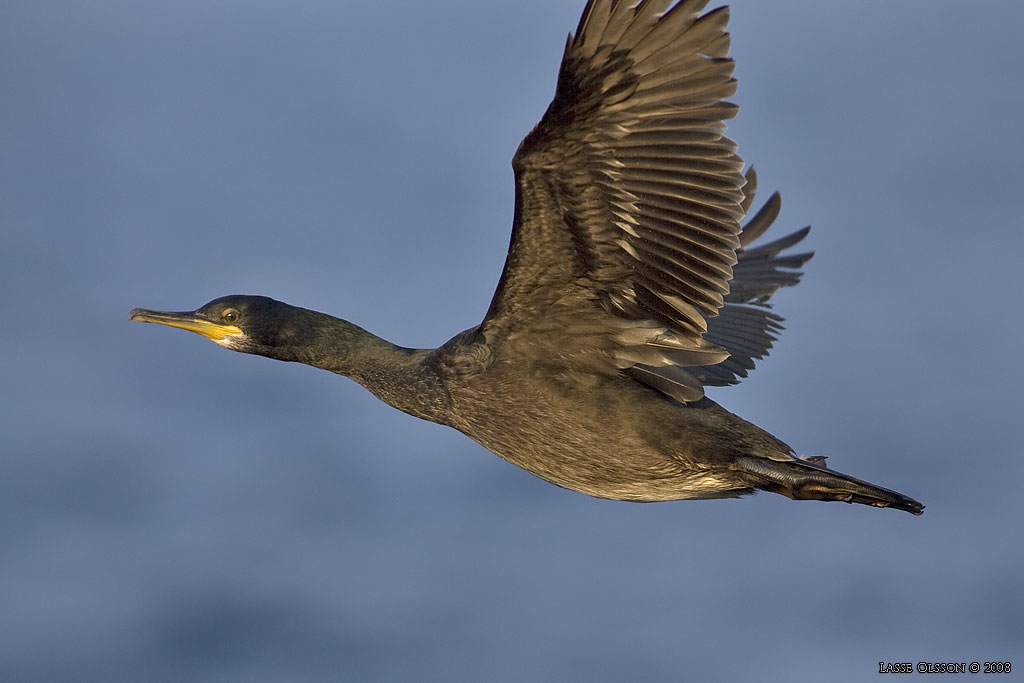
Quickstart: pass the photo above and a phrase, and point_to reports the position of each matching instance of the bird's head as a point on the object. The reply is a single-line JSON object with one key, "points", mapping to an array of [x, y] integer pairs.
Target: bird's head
{"points": [[250, 324]]}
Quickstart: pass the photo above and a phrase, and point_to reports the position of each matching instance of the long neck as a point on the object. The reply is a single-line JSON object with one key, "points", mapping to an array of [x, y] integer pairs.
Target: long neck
{"points": [[403, 378]]}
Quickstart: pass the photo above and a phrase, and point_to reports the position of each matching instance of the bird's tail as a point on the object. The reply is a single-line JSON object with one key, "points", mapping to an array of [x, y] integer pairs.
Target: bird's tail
{"points": [[810, 479]]}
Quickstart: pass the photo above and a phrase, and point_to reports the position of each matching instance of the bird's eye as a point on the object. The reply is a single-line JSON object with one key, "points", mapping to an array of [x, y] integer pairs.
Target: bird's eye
{"points": [[231, 316]]}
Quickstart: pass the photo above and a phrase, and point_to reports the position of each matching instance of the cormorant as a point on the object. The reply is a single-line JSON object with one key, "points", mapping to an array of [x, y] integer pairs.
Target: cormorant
{"points": [[629, 286]]}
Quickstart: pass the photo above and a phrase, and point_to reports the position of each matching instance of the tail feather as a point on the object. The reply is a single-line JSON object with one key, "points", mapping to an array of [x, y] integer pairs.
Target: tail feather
{"points": [[812, 480]]}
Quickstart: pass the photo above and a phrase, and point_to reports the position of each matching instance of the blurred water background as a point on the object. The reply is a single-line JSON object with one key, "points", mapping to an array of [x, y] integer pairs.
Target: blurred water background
{"points": [[170, 511]]}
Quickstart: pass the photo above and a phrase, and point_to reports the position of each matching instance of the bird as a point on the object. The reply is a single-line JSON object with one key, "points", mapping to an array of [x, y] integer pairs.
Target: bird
{"points": [[630, 285]]}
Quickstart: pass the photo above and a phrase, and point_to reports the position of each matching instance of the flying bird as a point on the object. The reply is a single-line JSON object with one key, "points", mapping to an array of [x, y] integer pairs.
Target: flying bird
{"points": [[632, 282]]}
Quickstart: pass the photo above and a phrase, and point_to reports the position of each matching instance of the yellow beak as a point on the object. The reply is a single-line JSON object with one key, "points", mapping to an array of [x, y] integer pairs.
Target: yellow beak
{"points": [[186, 321]]}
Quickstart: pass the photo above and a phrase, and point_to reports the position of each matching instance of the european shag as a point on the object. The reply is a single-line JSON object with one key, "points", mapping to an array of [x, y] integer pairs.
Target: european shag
{"points": [[630, 285]]}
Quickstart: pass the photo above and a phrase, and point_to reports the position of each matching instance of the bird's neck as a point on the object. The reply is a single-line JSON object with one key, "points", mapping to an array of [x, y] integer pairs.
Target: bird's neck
{"points": [[404, 378]]}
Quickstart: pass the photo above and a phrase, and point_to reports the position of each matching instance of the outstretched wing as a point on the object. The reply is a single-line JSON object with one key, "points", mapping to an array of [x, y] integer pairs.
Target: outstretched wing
{"points": [[628, 201]]}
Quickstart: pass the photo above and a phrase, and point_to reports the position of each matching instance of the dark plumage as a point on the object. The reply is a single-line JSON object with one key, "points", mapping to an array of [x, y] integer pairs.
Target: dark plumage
{"points": [[629, 286]]}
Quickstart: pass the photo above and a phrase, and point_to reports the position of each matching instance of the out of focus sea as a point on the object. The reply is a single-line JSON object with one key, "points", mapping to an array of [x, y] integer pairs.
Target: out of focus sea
{"points": [[170, 511]]}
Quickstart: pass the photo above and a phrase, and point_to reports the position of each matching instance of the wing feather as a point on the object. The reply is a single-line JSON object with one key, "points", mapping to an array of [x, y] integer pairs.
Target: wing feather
{"points": [[629, 199], [745, 326]]}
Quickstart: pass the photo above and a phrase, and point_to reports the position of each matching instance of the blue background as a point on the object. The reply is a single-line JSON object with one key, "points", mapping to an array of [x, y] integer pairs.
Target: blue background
{"points": [[170, 511]]}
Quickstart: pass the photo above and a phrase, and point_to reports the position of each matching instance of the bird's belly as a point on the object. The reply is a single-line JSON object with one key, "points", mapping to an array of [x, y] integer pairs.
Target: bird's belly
{"points": [[598, 442]]}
